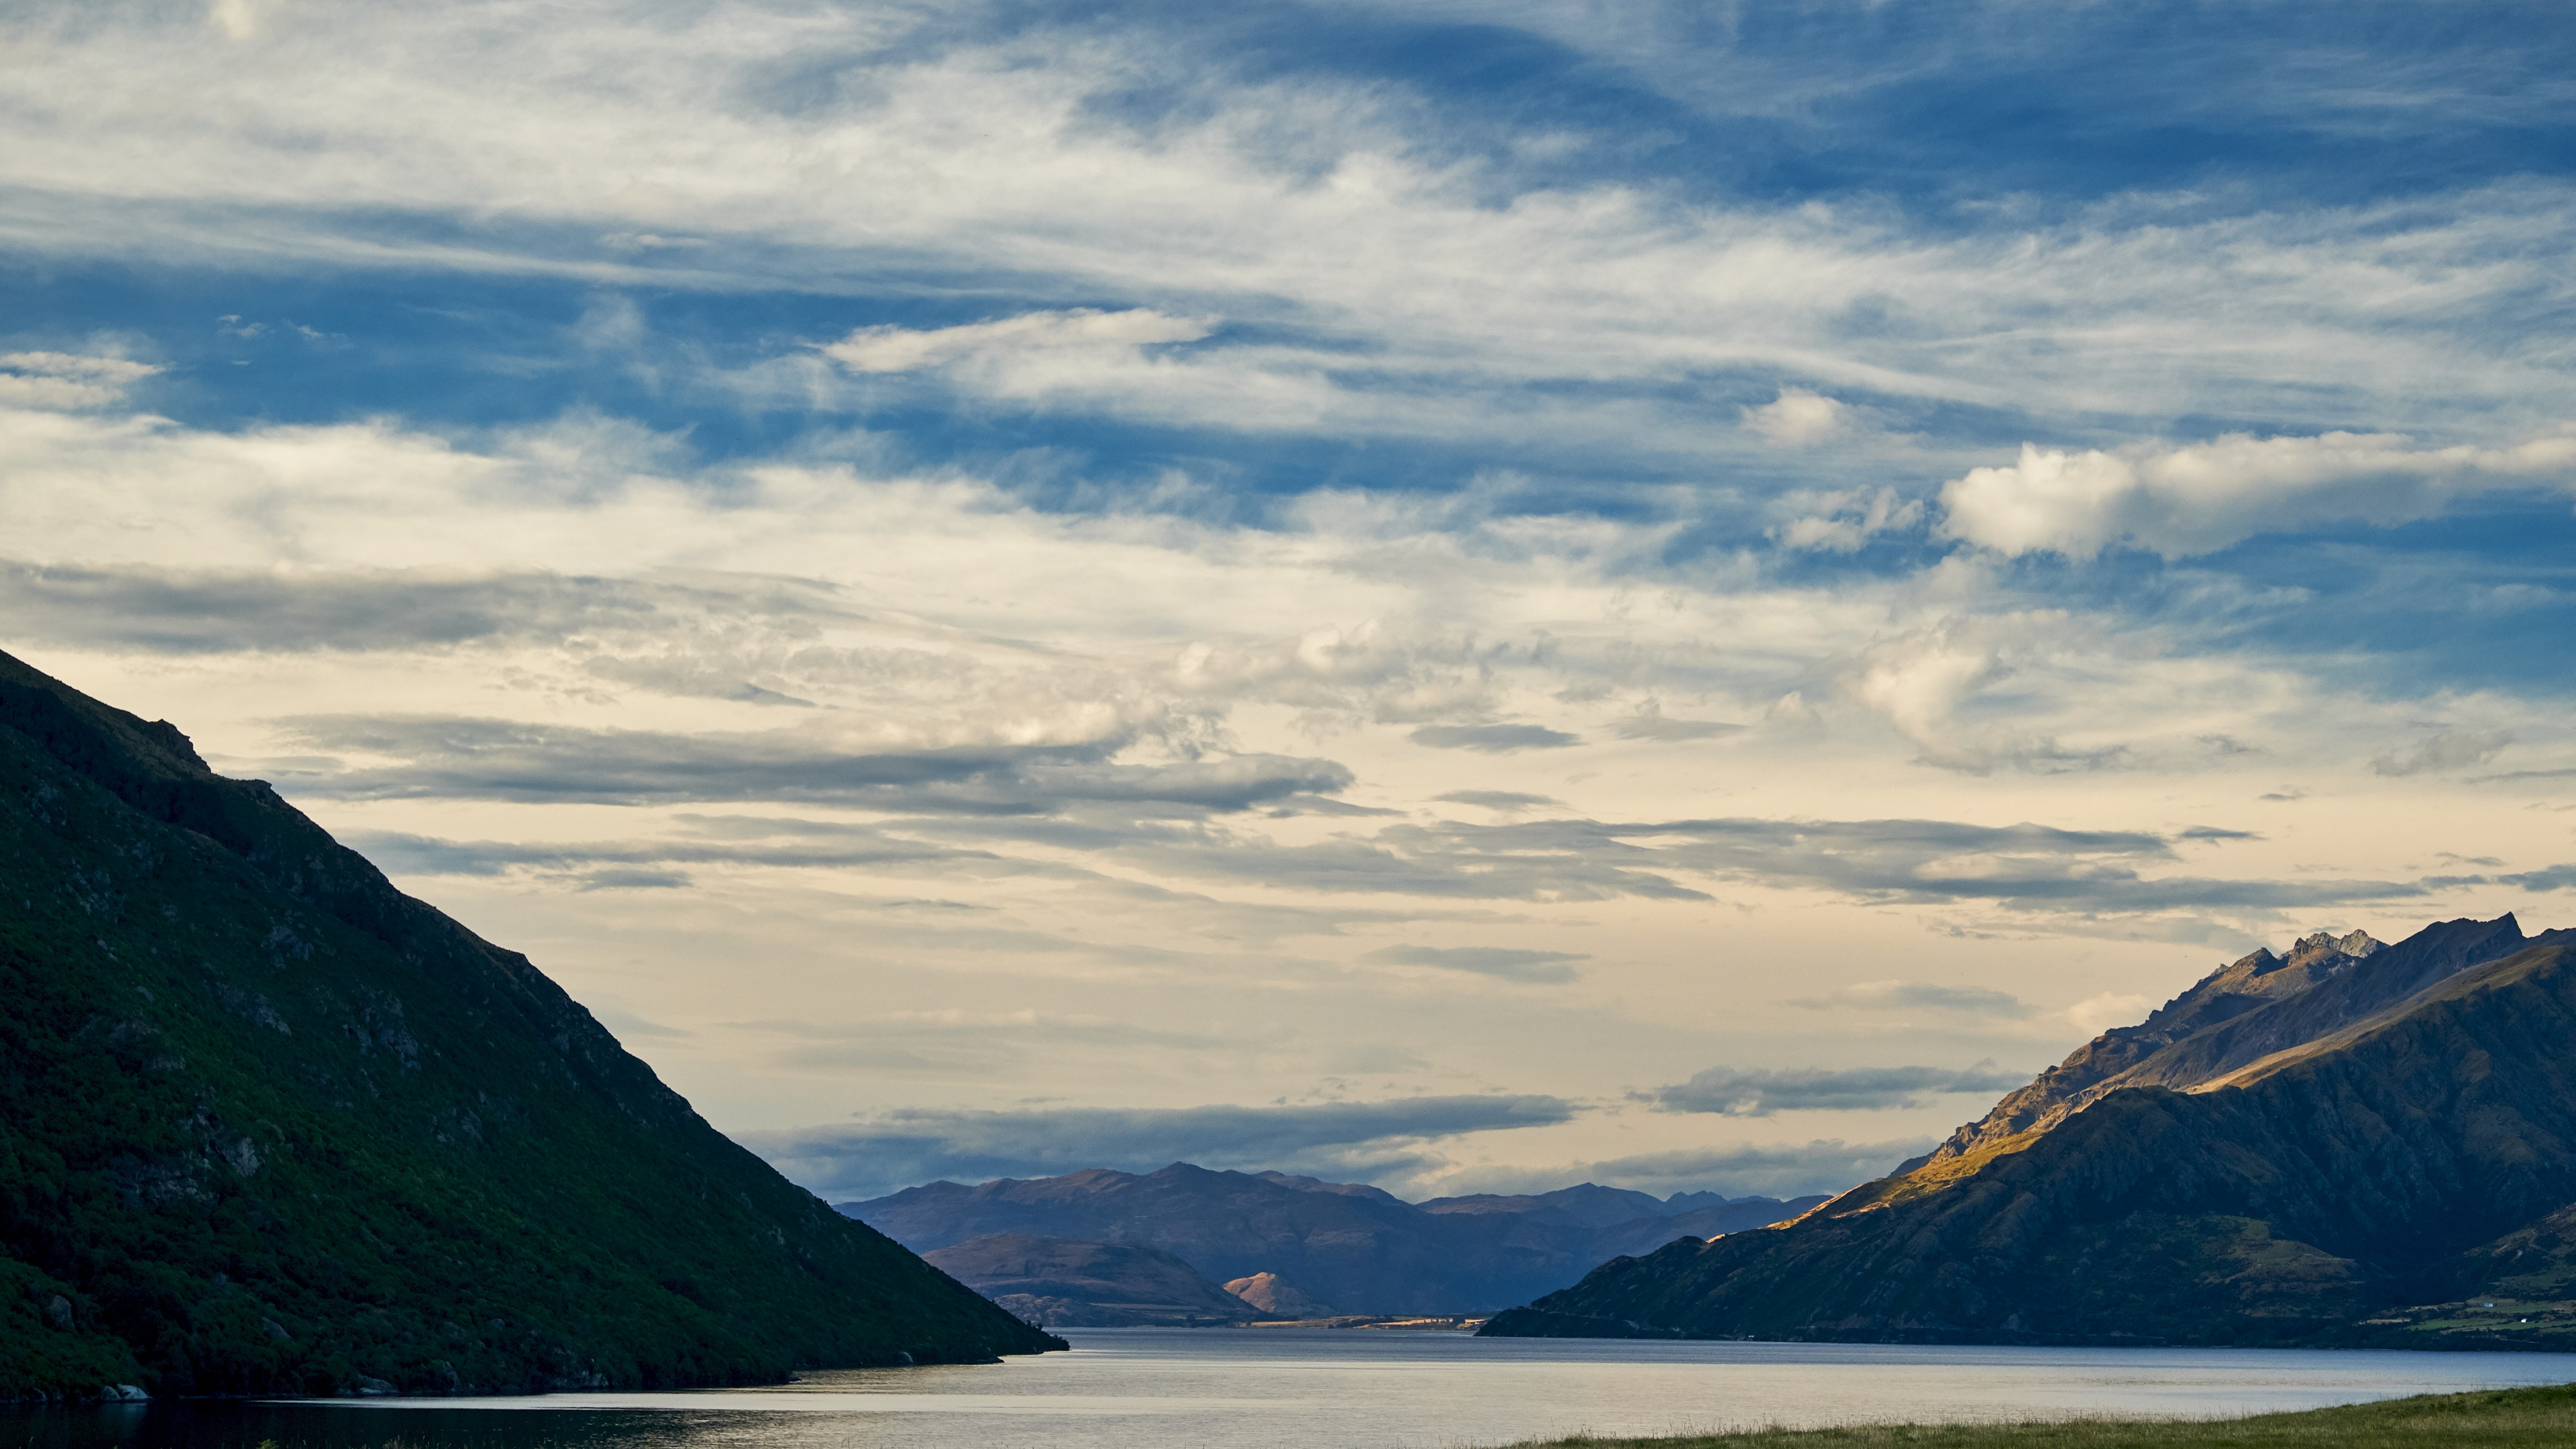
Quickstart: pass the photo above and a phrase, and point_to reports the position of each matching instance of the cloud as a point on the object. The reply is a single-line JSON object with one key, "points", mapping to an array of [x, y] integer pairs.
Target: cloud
{"points": [[2199, 499], [1934, 683], [2029, 870], [1799, 419], [1497, 739], [66, 380], [1850, 521], [904, 1148], [2444, 751], [1507, 801], [1501, 962], [2097, 1014], [962, 1043], [1787, 1170], [1911, 995], [202, 611], [462, 758], [637, 862], [1416, 261], [1741, 1093], [1080, 336], [1649, 723]]}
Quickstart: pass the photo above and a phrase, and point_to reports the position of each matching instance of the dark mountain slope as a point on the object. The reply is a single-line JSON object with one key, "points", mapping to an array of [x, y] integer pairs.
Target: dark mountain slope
{"points": [[1068, 1284], [2298, 1203], [268, 1125], [1743, 1215]]}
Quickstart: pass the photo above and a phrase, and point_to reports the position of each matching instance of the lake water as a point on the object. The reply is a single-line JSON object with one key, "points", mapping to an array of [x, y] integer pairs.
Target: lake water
{"points": [[1143, 1388]]}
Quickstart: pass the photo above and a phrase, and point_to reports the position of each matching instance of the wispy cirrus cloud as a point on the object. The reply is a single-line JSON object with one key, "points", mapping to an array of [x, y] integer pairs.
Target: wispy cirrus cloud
{"points": [[1919, 995], [496, 759], [1505, 963]]}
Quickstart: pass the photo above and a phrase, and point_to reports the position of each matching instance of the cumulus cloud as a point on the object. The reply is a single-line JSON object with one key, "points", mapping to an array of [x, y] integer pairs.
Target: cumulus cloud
{"points": [[1928, 682], [1799, 418], [1735, 1092], [900, 1149], [2202, 498], [1501, 962]]}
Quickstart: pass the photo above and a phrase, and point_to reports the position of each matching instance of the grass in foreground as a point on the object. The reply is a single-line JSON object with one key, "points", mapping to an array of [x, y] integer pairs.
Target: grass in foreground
{"points": [[2509, 1417]]}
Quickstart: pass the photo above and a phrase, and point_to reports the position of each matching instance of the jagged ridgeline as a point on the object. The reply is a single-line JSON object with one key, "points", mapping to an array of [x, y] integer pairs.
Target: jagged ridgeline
{"points": [[2355, 1144], [269, 1125]]}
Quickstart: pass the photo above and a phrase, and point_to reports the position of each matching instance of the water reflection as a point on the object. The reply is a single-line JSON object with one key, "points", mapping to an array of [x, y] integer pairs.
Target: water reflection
{"points": [[1291, 1389]]}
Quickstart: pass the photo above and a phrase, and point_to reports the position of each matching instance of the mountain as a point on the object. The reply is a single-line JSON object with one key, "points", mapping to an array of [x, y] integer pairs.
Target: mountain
{"points": [[269, 1126], [1068, 1284], [2348, 1144], [1739, 1215], [1273, 1294], [1357, 1247], [1588, 1203]]}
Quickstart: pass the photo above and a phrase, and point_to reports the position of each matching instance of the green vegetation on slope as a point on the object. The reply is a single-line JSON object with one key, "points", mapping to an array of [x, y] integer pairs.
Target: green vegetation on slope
{"points": [[268, 1125], [2493, 1420]]}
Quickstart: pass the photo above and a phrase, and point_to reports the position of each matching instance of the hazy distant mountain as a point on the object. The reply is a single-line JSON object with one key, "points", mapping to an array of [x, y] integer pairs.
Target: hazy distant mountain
{"points": [[1066, 1284], [1356, 1247], [2347, 1144], [268, 1125], [1589, 1204]]}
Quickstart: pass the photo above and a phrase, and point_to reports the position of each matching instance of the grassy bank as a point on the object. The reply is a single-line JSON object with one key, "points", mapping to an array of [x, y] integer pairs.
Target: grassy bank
{"points": [[2510, 1417]]}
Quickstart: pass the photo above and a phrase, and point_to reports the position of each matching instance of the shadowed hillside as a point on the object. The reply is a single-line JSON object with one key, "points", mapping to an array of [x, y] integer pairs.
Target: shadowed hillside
{"points": [[267, 1125], [2377, 1163]]}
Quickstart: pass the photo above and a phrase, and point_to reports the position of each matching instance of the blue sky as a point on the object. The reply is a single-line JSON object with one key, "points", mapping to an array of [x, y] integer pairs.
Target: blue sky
{"points": [[1370, 589]]}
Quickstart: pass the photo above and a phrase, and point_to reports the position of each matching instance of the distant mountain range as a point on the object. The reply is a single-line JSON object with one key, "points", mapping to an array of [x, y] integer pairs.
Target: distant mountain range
{"points": [[2349, 1144], [1353, 1247], [1062, 1283], [269, 1126]]}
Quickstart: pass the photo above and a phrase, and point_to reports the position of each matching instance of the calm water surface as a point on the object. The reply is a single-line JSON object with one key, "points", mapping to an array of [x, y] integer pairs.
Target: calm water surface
{"points": [[1142, 1388]]}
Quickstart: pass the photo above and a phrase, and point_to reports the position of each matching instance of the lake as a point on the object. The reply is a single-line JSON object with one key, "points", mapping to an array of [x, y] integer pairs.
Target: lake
{"points": [[1143, 1388]]}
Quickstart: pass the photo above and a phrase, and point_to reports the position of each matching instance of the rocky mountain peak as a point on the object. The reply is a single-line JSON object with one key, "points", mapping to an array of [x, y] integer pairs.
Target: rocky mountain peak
{"points": [[2321, 947]]}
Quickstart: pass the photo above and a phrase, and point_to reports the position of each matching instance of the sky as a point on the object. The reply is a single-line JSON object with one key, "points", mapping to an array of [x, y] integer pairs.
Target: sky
{"points": [[1463, 596]]}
